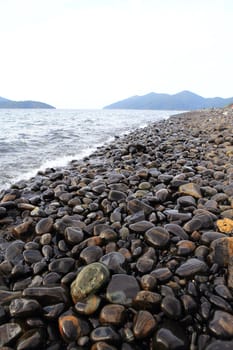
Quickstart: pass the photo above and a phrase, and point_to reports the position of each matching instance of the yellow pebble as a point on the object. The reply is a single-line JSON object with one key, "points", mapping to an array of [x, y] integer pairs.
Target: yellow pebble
{"points": [[225, 225]]}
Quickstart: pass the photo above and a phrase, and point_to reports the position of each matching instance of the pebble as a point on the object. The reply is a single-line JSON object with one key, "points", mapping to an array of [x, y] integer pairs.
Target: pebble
{"points": [[105, 334], [191, 267], [9, 332], [191, 189], [112, 314], [24, 307], [122, 289], [44, 226], [222, 324], [89, 305], [171, 306], [69, 327], [31, 339], [47, 295], [158, 237], [62, 265], [170, 336], [91, 254], [129, 248], [89, 280], [144, 324]]}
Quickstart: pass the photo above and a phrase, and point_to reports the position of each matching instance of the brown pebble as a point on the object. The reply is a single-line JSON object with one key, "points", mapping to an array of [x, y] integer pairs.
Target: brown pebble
{"points": [[144, 324]]}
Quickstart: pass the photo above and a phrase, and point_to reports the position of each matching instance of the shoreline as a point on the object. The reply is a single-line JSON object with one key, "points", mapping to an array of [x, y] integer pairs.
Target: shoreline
{"points": [[151, 216]]}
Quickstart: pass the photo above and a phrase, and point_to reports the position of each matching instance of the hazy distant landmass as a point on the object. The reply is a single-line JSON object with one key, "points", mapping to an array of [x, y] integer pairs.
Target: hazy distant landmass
{"points": [[5, 103], [184, 100]]}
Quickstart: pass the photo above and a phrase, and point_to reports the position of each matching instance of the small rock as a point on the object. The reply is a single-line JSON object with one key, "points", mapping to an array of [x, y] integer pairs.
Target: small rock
{"points": [[89, 305], [157, 236], [144, 324], [44, 226], [191, 189], [225, 225], [90, 279], [112, 314], [122, 289], [222, 324], [191, 267], [9, 332]]}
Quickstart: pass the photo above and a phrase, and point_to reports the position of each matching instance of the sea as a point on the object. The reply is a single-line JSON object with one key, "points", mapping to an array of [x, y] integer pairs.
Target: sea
{"points": [[36, 139]]}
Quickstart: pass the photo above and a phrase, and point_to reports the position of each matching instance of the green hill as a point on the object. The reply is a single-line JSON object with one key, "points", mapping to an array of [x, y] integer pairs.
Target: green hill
{"points": [[5, 103], [184, 100]]}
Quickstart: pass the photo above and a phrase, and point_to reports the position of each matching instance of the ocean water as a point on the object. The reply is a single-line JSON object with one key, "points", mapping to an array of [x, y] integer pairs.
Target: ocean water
{"points": [[36, 139]]}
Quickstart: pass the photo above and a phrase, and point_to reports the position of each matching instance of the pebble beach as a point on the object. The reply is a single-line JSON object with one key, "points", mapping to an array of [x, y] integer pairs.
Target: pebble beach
{"points": [[130, 248]]}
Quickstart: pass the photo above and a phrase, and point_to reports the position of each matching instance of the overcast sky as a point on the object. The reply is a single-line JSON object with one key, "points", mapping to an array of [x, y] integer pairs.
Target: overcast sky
{"points": [[90, 53]]}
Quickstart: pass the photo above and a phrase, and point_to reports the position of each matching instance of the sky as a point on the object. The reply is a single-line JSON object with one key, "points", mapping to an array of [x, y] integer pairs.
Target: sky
{"points": [[91, 53]]}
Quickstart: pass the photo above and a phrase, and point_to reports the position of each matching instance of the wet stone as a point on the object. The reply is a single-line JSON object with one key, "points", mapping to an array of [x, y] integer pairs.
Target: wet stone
{"points": [[162, 195], [114, 261], [3, 212], [51, 312], [89, 280], [220, 302], [32, 339], [135, 205], [22, 229], [62, 265], [24, 307], [220, 344], [47, 295], [148, 282], [6, 296], [191, 267], [170, 336], [9, 332], [14, 252], [185, 247], [91, 254], [200, 221], [2, 314], [141, 226], [113, 314], [177, 231], [145, 264], [162, 274], [171, 307], [115, 195], [51, 278], [175, 215], [104, 333], [224, 292], [186, 201], [144, 324], [210, 236], [89, 305], [32, 256], [221, 250], [44, 226], [69, 327], [147, 300], [101, 345], [191, 189], [222, 324], [122, 289], [189, 304], [73, 235], [158, 237]]}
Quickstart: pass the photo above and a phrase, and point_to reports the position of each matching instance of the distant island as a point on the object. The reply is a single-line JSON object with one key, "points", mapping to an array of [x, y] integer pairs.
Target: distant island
{"points": [[5, 103], [184, 100]]}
